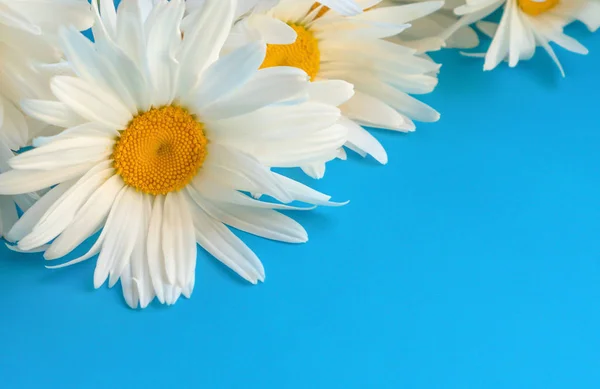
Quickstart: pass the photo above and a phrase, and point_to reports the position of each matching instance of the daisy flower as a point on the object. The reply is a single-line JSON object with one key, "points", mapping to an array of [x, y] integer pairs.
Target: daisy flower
{"points": [[427, 33], [526, 24], [330, 46], [163, 139], [26, 32], [345, 7]]}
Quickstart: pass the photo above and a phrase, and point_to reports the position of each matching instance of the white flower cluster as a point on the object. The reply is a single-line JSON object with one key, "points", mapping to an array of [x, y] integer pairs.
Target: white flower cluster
{"points": [[163, 132]]}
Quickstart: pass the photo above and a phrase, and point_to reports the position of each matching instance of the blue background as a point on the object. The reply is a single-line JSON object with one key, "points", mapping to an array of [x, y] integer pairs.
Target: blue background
{"points": [[471, 261]]}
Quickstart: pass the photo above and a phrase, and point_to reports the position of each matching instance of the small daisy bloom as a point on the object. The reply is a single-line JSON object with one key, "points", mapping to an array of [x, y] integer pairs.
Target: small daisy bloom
{"points": [[162, 141], [330, 46], [27, 28], [344, 7], [526, 24], [427, 33]]}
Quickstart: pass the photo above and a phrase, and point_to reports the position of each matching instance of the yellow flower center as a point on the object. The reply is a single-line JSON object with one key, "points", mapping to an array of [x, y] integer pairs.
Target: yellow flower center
{"points": [[303, 53], [160, 151], [535, 8]]}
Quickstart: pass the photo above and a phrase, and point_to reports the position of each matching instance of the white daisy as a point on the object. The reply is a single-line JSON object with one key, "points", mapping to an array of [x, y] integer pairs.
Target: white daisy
{"points": [[26, 33], [344, 7], [427, 33], [526, 24], [162, 136], [330, 47], [29, 25]]}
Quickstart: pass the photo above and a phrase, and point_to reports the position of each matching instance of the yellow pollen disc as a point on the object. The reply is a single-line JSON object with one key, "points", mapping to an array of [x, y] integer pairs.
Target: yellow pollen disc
{"points": [[160, 151], [303, 54], [534, 8]]}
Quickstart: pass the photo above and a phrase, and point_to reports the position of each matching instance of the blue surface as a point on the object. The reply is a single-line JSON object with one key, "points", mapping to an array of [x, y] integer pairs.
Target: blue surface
{"points": [[470, 261]]}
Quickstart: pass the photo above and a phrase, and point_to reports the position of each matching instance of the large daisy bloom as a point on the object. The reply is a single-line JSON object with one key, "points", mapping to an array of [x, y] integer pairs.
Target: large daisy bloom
{"points": [[27, 28], [527, 24], [163, 140], [427, 33], [330, 46]]}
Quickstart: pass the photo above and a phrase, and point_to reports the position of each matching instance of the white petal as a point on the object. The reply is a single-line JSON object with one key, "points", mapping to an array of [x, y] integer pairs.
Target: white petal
{"points": [[303, 193], [265, 223], [30, 218], [226, 75], [17, 182], [117, 246], [87, 130], [64, 153], [334, 92], [164, 39], [12, 18], [219, 193], [256, 173], [344, 7], [203, 42], [315, 170], [361, 138], [373, 112], [188, 249], [272, 31], [129, 288], [590, 15], [215, 238], [59, 215], [318, 147], [93, 67], [97, 246], [8, 214], [140, 271], [275, 123], [49, 15], [178, 242], [128, 239], [400, 14], [88, 219], [268, 86], [155, 250], [51, 112], [89, 102], [14, 127], [397, 99]]}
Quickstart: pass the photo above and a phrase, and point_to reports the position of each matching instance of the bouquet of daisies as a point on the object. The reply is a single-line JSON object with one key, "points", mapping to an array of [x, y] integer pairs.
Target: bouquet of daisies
{"points": [[171, 125]]}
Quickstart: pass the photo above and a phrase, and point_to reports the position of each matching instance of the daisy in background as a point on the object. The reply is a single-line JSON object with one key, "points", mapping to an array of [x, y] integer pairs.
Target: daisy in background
{"points": [[331, 47], [427, 33], [162, 140], [526, 24], [344, 7], [27, 29]]}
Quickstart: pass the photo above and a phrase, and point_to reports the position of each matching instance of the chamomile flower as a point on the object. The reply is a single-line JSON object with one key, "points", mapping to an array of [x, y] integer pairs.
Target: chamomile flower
{"points": [[330, 46], [343, 7], [26, 37], [427, 33], [527, 24], [163, 139]]}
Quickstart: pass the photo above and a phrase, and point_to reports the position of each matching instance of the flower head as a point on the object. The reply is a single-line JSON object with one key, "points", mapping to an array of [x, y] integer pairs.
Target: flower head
{"points": [[527, 24], [331, 47], [27, 34], [428, 33], [163, 138]]}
